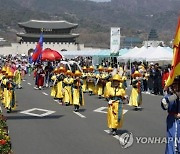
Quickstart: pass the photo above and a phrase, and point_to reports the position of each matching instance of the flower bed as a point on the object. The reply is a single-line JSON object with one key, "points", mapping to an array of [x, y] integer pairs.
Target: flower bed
{"points": [[5, 143]]}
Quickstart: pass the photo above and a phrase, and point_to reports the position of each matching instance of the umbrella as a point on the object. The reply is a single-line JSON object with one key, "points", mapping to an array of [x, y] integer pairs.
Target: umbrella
{"points": [[50, 55]]}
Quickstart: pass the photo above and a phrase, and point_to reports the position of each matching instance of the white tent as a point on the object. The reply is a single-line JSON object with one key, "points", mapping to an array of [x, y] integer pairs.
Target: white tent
{"points": [[129, 54], [159, 54], [148, 54]]}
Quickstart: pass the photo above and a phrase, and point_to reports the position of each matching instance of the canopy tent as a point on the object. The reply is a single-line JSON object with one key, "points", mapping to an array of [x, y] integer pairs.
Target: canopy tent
{"points": [[132, 54], [92, 53], [103, 53], [148, 54], [159, 54], [123, 51], [83, 53]]}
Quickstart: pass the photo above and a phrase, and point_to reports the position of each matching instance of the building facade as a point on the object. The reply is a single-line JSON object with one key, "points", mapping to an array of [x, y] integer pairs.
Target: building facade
{"points": [[57, 35], [153, 40]]}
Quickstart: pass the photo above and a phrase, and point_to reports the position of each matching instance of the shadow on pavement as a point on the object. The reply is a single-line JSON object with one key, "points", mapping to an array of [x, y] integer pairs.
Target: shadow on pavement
{"points": [[15, 111], [120, 132], [137, 109], [82, 110]]}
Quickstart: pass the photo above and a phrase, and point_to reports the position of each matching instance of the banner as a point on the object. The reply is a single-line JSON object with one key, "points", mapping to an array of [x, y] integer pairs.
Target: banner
{"points": [[115, 41]]}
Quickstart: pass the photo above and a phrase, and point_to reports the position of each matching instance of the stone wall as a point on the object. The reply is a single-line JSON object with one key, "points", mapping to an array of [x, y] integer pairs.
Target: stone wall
{"points": [[23, 48]]}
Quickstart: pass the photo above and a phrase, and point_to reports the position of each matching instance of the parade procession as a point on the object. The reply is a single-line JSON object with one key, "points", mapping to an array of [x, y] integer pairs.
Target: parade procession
{"points": [[60, 96]]}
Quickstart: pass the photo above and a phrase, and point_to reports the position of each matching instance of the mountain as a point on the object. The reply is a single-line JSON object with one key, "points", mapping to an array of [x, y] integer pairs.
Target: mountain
{"points": [[11, 13], [124, 13]]}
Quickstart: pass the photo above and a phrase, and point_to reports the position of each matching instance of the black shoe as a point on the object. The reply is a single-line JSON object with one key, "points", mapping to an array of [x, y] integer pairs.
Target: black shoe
{"points": [[67, 104], [136, 108], [114, 133]]}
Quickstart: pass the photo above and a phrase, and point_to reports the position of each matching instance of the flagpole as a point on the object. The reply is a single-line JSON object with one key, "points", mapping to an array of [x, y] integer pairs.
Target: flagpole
{"points": [[39, 47]]}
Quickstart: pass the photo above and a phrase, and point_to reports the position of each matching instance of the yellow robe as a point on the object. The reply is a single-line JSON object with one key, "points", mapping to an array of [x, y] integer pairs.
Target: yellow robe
{"points": [[17, 77], [8, 69], [115, 109], [107, 88], [100, 91], [91, 87], [67, 90], [9, 100], [84, 86], [76, 97], [5, 92], [59, 89], [54, 87], [1, 91], [135, 98]]}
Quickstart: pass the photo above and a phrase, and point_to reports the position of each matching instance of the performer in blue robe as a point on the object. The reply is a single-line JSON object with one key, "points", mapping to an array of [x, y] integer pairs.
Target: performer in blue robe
{"points": [[171, 103]]}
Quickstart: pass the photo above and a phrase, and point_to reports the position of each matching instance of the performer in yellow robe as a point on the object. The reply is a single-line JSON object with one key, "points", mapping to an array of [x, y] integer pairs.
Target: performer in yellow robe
{"points": [[68, 81], [84, 77], [100, 82], [4, 88], [8, 68], [136, 95], [17, 78], [1, 90], [2, 76], [54, 86], [60, 78], [115, 105], [78, 98], [90, 80], [124, 83], [11, 99], [108, 81]]}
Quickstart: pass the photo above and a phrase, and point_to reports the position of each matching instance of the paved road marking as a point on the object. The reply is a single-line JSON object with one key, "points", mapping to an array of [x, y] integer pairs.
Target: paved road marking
{"points": [[58, 102], [29, 83], [100, 110], [47, 112], [24, 80], [45, 93], [79, 114], [116, 136], [124, 111]]}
